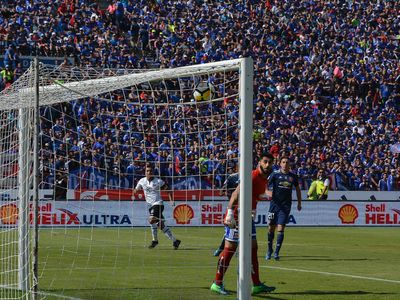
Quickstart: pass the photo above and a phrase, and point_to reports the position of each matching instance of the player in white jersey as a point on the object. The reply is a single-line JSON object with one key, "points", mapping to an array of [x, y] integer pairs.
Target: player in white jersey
{"points": [[151, 187]]}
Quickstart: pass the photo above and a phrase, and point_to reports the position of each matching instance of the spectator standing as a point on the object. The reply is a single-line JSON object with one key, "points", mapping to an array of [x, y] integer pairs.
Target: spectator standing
{"points": [[391, 180], [319, 187], [7, 76], [383, 183]]}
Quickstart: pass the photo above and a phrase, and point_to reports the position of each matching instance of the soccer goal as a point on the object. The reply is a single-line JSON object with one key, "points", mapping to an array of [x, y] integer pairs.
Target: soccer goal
{"points": [[74, 142]]}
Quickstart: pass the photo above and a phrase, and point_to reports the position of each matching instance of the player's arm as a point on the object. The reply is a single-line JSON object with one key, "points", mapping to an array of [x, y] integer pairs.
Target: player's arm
{"points": [[137, 188], [233, 201], [165, 187], [223, 189], [298, 193], [268, 193], [230, 216], [134, 192]]}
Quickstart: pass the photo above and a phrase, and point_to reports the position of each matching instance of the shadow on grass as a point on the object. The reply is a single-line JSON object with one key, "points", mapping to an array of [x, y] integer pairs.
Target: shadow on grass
{"points": [[262, 296], [281, 296], [273, 296], [183, 248], [323, 258], [349, 293]]}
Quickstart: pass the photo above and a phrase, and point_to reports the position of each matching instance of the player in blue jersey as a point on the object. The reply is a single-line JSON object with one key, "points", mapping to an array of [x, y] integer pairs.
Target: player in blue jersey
{"points": [[282, 183], [230, 184]]}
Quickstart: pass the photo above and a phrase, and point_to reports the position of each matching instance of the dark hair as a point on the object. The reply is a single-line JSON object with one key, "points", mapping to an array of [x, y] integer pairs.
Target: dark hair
{"points": [[282, 158], [267, 154]]}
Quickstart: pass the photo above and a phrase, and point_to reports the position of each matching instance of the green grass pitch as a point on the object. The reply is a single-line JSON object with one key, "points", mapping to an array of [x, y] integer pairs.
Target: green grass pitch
{"points": [[316, 263]]}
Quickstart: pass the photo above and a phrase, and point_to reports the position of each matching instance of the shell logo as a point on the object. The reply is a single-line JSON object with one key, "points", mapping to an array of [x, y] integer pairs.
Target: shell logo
{"points": [[348, 214], [183, 213], [9, 214]]}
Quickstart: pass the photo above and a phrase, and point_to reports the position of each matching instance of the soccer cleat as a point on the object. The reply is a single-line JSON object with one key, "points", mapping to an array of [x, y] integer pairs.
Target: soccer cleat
{"points": [[153, 244], [268, 256], [217, 252], [219, 289], [261, 288], [276, 256], [176, 244]]}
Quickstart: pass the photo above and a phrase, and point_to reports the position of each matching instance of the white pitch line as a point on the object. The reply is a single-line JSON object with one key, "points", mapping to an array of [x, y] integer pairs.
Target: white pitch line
{"points": [[59, 296], [332, 274], [44, 293]]}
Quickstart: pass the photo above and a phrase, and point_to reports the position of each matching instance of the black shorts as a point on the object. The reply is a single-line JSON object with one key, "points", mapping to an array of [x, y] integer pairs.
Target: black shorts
{"points": [[157, 211]]}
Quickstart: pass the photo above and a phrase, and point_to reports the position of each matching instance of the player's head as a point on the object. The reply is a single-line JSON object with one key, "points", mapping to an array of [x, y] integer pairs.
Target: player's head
{"points": [[284, 164], [321, 174], [149, 171], [265, 163]]}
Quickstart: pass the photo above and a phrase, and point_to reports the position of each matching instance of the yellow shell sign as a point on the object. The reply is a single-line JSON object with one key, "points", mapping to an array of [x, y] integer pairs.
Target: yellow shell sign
{"points": [[348, 214], [9, 214], [183, 213]]}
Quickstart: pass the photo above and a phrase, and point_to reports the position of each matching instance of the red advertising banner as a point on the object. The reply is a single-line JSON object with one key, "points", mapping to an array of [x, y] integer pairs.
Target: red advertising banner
{"points": [[126, 195]]}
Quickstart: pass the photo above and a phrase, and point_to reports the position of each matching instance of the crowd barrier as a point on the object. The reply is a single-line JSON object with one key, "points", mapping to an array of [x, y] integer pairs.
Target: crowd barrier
{"points": [[127, 195]]}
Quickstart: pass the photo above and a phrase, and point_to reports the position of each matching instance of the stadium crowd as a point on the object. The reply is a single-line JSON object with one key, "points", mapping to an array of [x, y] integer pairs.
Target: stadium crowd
{"points": [[327, 78]]}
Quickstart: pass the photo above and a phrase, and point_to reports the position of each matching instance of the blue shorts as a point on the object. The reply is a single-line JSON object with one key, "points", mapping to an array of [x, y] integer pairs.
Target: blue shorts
{"points": [[232, 234], [278, 216]]}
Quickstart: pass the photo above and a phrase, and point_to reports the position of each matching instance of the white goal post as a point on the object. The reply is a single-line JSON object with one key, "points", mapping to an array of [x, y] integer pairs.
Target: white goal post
{"points": [[246, 156], [46, 86]]}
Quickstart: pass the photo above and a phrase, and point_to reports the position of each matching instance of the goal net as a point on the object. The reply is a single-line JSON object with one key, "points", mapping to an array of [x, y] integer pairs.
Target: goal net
{"points": [[98, 130], [16, 182]]}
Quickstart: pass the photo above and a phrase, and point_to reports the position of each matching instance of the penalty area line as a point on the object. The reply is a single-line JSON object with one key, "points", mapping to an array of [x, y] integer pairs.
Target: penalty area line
{"points": [[332, 274]]}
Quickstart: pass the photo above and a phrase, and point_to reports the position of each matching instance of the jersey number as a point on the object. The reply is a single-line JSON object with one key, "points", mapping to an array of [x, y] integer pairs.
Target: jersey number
{"points": [[271, 216]]}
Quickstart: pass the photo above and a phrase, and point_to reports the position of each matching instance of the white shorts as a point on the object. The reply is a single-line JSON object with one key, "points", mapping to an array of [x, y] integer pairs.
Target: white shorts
{"points": [[232, 234]]}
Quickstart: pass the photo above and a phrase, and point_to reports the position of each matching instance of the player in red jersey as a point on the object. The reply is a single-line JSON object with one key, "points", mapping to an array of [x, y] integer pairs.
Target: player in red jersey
{"points": [[260, 186]]}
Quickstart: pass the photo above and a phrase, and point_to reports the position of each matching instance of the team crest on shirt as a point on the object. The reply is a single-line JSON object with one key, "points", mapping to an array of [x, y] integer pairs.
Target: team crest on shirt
{"points": [[286, 184]]}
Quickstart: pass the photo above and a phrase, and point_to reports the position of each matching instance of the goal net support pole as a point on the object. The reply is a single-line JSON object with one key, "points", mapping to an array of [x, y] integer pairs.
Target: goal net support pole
{"points": [[23, 201], [28, 123], [246, 160], [36, 180]]}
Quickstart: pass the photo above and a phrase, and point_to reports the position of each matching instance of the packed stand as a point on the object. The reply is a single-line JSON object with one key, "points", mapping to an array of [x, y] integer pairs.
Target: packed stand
{"points": [[327, 78]]}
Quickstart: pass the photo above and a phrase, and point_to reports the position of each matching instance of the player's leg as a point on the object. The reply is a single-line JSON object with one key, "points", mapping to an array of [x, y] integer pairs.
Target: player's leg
{"points": [[153, 220], [255, 276], [231, 242], [220, 248], [271, 234], [167, 231], [283, 217], [258, 286]]}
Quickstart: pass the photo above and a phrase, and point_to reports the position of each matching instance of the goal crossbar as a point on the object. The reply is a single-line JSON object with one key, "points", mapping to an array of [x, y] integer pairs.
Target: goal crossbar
{"points": [[57, 92]]}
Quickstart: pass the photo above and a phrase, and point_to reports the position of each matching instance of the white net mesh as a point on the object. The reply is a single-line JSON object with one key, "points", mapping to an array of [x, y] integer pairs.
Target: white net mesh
{"points": [[16, 163], [98, 131]]}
